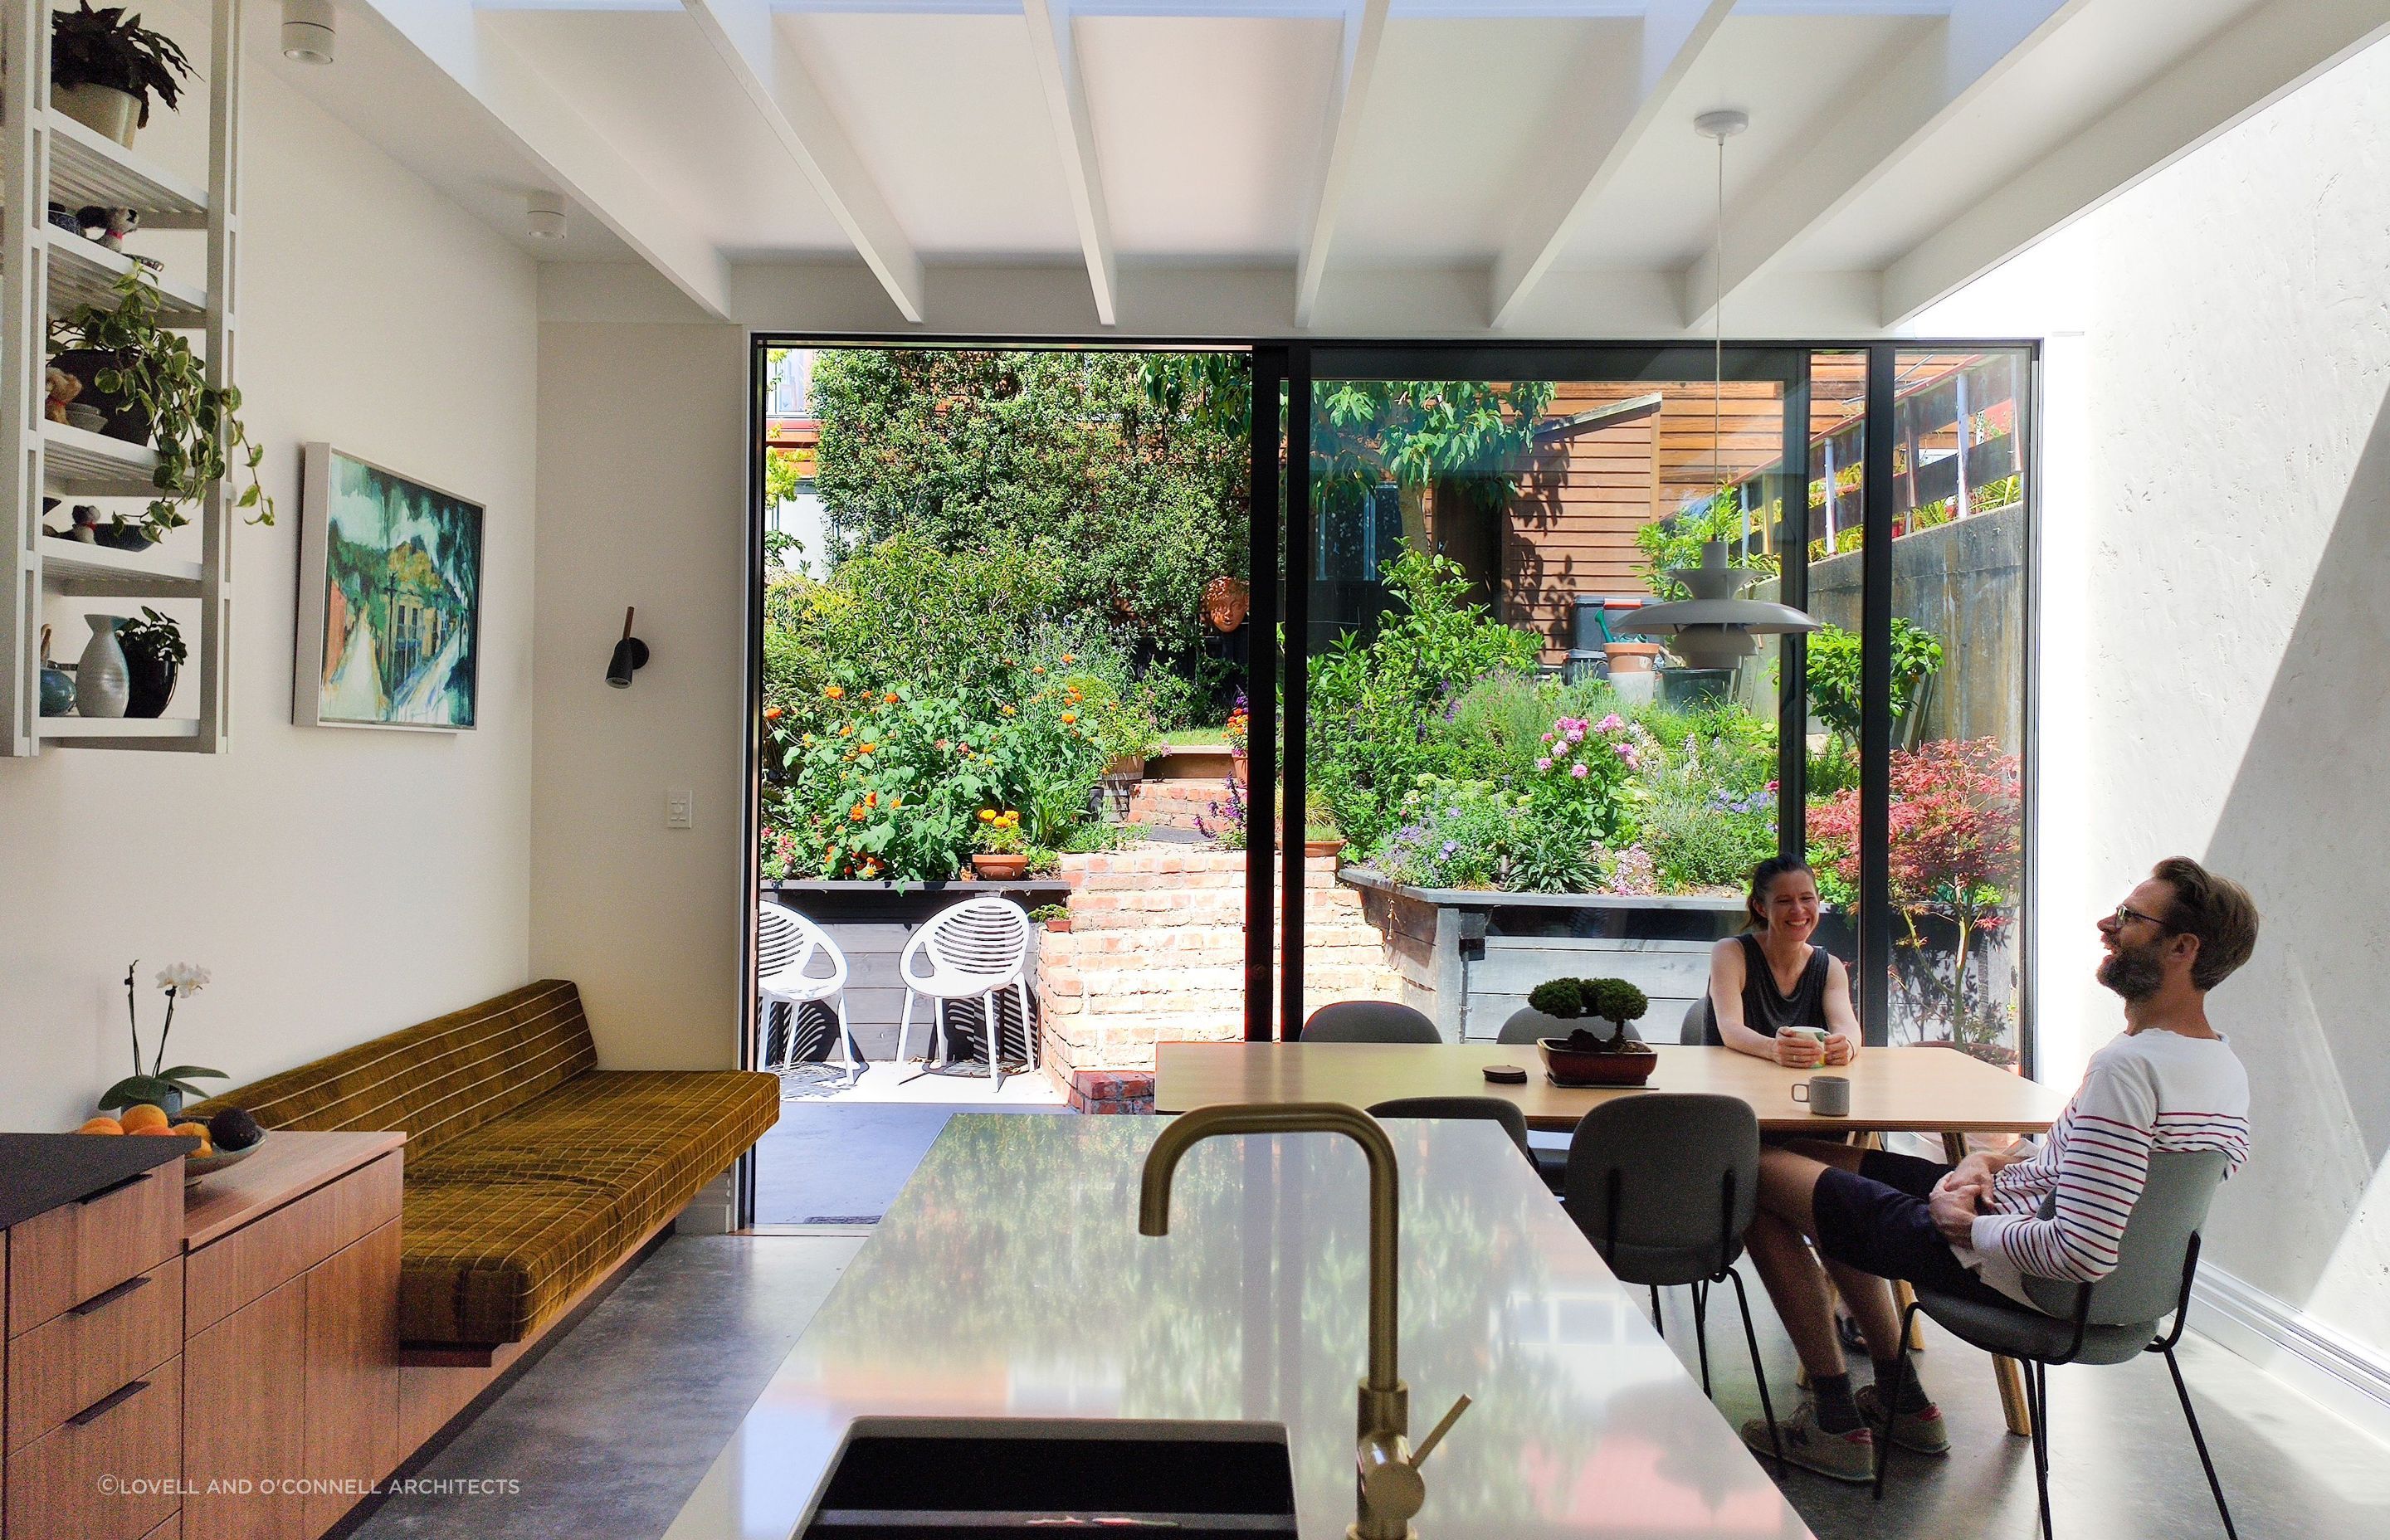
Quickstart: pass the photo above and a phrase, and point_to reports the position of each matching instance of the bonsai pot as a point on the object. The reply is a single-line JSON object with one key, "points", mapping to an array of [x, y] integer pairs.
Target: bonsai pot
{"points": [[1631, 657], [152, 684], [989, 866], [125, 420], [1333, 846], [1059, 924], [1631, 1065], [104, 109]]}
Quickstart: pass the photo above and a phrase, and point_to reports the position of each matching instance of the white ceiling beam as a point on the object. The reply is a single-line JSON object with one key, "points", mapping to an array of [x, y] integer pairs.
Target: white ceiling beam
{"points": [[765, 64], [1855, 149], [2256, 61], [567, 148], [1066, 102], [1608, 105], [1365, 32]]}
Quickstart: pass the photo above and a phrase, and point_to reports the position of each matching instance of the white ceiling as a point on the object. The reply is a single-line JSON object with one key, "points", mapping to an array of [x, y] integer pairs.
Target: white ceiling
{"points": [[1267, 167]]}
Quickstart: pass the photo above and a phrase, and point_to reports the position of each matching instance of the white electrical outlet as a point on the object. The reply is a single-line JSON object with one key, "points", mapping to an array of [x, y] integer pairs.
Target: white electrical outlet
{"points": [[680, 810]]}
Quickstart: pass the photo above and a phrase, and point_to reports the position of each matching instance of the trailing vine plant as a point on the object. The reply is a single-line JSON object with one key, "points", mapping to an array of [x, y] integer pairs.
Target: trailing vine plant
{"points": [[195, 427]]}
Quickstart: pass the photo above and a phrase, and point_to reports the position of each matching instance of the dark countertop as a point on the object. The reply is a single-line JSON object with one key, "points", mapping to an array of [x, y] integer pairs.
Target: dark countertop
{"points": [[38, 1171]]}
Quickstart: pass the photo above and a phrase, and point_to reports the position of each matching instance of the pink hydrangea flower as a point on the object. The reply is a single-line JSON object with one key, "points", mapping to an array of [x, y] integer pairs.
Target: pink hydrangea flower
{"points": [[1577, 770], [1543, 765], [1612, 722]]}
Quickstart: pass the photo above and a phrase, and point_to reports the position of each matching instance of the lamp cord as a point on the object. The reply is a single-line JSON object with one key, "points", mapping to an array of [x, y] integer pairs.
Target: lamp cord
{"points": [[1718, 332]]}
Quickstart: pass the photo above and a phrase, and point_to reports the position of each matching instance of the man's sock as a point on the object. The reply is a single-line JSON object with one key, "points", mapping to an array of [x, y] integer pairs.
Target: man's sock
{"points": [[1912, 1397], [1837, 1413]]}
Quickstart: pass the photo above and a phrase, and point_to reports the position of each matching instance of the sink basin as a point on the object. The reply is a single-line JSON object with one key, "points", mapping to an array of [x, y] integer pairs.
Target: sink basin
{"points": [[1012, 1479]]}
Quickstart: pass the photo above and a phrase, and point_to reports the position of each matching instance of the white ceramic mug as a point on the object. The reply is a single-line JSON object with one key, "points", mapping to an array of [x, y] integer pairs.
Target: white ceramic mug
{"points": [[1827, 1095]]}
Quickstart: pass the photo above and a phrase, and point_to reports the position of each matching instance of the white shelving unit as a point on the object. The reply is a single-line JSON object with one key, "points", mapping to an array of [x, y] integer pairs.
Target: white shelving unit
{"points": [[45, 272]]}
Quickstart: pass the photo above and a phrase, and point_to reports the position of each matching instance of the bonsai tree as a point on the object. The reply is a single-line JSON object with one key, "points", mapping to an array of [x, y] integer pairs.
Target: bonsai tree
{"points": [[1615, 1000], [110, 49], [1564, 998], [152, 371]]}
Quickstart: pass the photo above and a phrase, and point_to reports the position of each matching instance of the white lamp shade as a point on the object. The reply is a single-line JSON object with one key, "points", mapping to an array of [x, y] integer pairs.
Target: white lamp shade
{"points": [[308, 31], [544, 217]]}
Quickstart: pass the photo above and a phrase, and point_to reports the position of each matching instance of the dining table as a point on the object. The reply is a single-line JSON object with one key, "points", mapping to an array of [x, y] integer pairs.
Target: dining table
{"points": [[1928, 1089]]}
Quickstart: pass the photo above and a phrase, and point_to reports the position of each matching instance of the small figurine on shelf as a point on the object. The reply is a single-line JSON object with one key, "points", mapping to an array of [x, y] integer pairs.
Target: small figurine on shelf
{"points": [[105, 225], [58, 684], [60, 387], [87, 526]]}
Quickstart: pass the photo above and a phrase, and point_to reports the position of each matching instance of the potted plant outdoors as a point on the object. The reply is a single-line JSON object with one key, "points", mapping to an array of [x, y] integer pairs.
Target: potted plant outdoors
{"points": [[104, 67], [1054, 917], [154, 655], [1002, 851], [1239, 720], [155, 390], [1321, 835]]}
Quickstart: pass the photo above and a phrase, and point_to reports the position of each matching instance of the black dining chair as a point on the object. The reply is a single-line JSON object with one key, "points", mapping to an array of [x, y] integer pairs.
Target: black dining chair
{"points": [[1369, 1022], [1665, 1184], [2113, 1321], [1489, 1109]]}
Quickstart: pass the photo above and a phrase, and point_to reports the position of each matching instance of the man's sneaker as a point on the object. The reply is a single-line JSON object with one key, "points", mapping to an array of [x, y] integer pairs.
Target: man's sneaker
{"points": [[1844, 1456], [1922, 1429]]}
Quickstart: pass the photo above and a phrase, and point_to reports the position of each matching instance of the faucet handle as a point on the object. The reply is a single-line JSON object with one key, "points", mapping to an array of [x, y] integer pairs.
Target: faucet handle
{"points": [[1435, 1435]]}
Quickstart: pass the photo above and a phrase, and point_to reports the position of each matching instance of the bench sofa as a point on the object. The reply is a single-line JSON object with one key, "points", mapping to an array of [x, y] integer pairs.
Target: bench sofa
{"points": [[530, 1172]]}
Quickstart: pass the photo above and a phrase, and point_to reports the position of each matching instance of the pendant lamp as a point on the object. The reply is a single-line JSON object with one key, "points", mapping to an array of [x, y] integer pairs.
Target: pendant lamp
{"points": [[1715, 629]]}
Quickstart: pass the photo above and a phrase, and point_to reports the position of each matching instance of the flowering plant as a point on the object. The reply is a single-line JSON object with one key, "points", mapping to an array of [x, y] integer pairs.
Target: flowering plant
{"points": [[1239, 720], [160, 1086], [999, 833]]}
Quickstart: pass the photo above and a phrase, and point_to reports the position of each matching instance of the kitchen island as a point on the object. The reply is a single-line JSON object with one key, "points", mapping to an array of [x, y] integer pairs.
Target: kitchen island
{"points": [[1010, 1280]]}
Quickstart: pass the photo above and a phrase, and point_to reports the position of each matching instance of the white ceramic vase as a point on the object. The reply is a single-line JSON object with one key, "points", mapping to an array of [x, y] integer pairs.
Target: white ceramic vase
{"points": [[102, 109], [102, 684]]}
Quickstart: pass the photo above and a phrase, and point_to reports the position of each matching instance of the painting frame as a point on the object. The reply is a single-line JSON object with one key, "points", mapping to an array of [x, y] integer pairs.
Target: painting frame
{"points": [[328, 689]]}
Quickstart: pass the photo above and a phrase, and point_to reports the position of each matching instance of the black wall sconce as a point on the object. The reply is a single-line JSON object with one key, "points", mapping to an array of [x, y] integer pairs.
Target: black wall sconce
{"points": [[630, 655]]}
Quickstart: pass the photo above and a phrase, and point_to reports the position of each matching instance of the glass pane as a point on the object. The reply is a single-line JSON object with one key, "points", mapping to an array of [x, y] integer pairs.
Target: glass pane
{"points": [[1837, 556], [1958, 670], [1006, 640], [1524, 788]]}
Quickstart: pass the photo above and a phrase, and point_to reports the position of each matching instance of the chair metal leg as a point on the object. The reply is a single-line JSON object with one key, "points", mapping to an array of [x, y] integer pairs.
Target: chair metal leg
{"points": [[1701, 1332], [2199, 1441], [2037, 1389], [1751, 1341], [1892, 1403], [1658, 1324]]}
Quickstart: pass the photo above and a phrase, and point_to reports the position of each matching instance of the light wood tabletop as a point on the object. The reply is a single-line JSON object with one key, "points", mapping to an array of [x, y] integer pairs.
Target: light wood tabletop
{"points": [[1913, 1089]]}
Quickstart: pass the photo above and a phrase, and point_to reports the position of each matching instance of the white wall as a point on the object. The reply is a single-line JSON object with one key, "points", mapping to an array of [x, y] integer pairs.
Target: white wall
{"points": [[339, 883], [642, 501], [2216, 618]]}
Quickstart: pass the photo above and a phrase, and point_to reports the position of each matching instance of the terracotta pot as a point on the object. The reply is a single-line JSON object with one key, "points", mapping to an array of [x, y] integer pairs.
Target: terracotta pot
{"points": [[1566, 1066], [1059, 924], [989, 866], [1631, 657], [1237, 771], [1323, 847]]}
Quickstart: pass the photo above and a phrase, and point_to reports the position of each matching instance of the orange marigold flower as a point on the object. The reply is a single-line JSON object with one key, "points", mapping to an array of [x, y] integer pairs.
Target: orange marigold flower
{"points": [[1010, 711], [856, 813], [1039, 668], [1069, 717], [836, 692], [846, 729], [1069, 659], [987, 815], [774, 713], [895, 803], [890, 699], [871, 799], [867, 748]]}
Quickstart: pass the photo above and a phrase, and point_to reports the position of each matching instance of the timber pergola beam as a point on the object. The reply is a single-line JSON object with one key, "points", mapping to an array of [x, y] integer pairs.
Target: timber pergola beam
{"points": [[1066, 102], [1602, 116], [567, 148], [764, 62], [1365, 34], [1959, 59], [2269, 53]]}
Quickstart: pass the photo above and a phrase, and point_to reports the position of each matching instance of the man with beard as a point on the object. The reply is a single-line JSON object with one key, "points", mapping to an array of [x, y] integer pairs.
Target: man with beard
{"points": [[2169, 1083]]}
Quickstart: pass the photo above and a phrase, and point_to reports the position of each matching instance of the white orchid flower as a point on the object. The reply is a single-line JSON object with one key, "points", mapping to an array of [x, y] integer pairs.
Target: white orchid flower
{"points": [[183, 978]]}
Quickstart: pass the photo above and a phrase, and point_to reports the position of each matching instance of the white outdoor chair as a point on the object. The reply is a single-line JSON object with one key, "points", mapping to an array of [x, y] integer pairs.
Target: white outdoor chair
{"points": [[788, 947], [978, 947]]}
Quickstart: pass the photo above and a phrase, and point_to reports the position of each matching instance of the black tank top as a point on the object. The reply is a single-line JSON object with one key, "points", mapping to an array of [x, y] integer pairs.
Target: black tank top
{"points": [[1765, 1010]]}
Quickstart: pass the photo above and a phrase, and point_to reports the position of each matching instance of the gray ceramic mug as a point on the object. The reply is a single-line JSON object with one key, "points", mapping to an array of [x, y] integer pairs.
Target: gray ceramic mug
{"points": [[1828, 1096]]}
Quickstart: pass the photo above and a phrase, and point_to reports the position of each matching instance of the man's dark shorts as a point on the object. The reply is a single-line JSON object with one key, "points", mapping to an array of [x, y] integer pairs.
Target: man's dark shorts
{"points": [[1875, 1219]]}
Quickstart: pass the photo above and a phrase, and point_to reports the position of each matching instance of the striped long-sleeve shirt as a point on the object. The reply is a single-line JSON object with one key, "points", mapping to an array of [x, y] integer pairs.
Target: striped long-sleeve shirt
{"points": [[2145, 1091]]}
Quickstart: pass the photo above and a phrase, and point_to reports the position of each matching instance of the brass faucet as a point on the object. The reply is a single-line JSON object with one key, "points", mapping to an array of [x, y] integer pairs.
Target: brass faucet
{"points": [[1390, 1489]]}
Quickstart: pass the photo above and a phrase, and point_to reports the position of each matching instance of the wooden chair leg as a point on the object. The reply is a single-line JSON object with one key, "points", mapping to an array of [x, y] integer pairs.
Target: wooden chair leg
{"points": [[2009, 1375]]}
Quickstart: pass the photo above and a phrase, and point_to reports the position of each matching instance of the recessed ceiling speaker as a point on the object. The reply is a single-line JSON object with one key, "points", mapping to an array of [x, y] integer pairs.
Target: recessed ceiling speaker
{"points": [[544, 216], [307, 27]]}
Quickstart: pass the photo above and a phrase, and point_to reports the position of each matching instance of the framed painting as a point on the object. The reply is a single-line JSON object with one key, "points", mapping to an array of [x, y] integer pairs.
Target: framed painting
{"points": [[389, 599]]}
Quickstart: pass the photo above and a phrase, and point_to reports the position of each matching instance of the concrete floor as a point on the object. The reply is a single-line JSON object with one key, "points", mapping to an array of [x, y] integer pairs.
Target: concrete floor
{"points": [[609, 1433], [841, 1163]]}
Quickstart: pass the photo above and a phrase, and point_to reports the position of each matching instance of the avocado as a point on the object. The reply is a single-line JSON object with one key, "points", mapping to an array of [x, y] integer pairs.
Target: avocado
{"points": [[234, 1129]]}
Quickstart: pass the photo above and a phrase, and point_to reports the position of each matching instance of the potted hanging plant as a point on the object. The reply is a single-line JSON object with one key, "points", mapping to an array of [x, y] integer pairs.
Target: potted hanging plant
{"points": [[154, 654], [1003, 851], [104, 67], [154, 390]]}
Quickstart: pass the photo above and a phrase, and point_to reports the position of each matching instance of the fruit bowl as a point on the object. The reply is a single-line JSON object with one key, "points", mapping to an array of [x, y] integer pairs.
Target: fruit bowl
{"points": [[1629, 1066], [196, 1166]]}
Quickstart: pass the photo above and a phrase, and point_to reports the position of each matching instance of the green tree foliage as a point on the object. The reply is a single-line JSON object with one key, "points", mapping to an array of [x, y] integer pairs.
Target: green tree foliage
{"points": [[1833, 673], [1128, 483]]}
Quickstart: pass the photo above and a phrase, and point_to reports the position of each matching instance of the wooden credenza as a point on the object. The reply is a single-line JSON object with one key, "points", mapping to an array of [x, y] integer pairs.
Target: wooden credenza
{"points": [[224, 1366]]}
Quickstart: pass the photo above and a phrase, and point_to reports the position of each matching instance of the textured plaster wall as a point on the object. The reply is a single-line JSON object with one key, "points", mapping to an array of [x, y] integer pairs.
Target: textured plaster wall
{"points": [[2217, 650]]}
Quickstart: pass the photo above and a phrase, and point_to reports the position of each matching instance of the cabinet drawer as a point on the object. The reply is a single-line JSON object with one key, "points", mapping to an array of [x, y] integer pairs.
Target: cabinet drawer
{"points": [[59, 1259], [109, 1472], [80, 1355], [268, 1253]]}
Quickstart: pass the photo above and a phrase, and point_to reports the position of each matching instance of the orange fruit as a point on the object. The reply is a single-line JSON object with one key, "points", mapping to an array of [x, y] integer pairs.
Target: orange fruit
{"points": [[101, 1125], [143, 1116], [158, 1131]]}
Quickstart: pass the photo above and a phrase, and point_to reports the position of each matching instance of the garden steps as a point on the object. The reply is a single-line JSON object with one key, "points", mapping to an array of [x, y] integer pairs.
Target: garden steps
{"points": [[1177, 804]]}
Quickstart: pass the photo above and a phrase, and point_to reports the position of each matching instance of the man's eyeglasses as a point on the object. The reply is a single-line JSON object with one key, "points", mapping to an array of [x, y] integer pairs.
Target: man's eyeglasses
{"points": [[2126, 914]]}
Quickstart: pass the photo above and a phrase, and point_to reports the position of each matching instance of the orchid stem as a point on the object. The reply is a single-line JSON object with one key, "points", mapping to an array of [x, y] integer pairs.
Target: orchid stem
{"points": [[132, 1014], [159, 1068]]}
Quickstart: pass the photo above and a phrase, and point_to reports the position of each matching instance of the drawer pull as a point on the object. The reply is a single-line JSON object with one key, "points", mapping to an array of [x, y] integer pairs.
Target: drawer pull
{"points": [[107, 1402], [107, 1297], [114, 1188]]}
